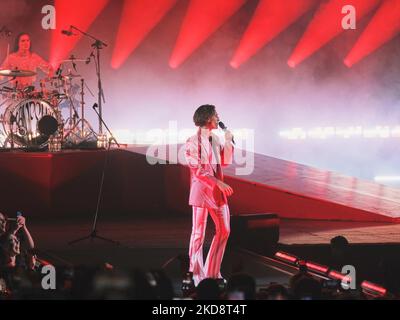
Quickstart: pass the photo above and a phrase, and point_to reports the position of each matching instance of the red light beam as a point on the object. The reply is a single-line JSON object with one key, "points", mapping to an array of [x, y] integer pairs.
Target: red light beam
{"points": [[138, 19], [384, 26], [326, 25], [203, 17], [270, 18], [78, 13]]}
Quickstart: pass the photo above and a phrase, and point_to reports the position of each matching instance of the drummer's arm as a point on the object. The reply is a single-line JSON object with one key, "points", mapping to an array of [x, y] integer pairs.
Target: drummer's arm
{"points": [[45, 66]]}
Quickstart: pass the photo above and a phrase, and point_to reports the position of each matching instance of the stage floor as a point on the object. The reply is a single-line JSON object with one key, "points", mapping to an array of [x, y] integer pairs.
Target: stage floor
{"points": [[320, 232], [174, 232]]}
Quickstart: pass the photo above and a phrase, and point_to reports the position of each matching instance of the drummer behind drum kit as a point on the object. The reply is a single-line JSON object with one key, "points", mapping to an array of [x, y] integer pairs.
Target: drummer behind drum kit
{"points": [[32, 119]]}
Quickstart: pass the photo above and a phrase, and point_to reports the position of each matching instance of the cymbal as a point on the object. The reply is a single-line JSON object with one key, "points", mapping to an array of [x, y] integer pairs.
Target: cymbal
{"points": [[74, 60], [17, 73]]}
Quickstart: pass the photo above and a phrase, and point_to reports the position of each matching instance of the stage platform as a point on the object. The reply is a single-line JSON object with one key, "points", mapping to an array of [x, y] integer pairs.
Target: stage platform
{"points": [[296, 191], [67, 184]]}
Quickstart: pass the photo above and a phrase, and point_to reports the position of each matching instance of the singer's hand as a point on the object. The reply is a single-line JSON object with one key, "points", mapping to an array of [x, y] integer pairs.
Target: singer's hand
{"points": [[228, 135], [226, 189]]}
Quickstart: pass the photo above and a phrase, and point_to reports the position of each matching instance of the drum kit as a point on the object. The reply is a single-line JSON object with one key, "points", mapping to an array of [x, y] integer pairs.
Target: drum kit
{"points": [[32, 117]]}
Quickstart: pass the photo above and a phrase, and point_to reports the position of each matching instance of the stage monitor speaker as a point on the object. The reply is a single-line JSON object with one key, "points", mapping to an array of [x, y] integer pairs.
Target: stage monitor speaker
{"points": [[255, 232]]}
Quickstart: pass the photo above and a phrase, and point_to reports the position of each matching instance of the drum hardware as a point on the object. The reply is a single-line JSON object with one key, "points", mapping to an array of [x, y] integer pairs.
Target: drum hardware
{"points": [[29, 123], [32, 118], [9, 80], [17, 73], [7, 89], [79, 129], [28, 89], [71, 75], [12, 120], [74, 60], [82, 130]]}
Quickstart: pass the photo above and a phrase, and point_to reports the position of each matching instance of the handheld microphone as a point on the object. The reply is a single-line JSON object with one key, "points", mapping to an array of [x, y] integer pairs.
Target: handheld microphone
{"points": [[224, 127]]}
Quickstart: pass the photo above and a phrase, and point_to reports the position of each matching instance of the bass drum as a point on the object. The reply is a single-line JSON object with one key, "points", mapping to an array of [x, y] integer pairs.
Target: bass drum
{"points": [[24, 120]]}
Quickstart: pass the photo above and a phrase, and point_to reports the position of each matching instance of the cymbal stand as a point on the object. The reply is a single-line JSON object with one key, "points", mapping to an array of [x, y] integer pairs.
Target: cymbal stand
{"points": [[73, 113], [82, 129]]}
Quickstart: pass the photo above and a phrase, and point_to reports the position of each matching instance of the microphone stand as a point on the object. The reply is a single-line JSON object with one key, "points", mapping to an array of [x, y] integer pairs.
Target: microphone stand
{"points": [[97, 45], [93, 233], [112, 138]]}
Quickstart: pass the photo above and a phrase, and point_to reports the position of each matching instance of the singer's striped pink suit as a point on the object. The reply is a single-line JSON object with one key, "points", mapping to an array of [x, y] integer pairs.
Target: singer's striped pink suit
{"points": [[206, 156]]}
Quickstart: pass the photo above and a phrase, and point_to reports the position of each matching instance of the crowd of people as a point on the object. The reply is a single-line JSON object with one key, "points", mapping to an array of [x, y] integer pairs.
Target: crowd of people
{"points": [[16, 243], [20, 278], [110, 283], [17, 250]]}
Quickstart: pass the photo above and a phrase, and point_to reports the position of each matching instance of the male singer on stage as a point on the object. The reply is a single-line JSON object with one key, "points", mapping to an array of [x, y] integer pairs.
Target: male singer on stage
{"points": [[205, 156], [24, 59]]}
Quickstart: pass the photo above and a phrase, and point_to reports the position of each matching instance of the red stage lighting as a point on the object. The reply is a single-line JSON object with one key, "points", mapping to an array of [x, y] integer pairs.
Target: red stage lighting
{"points": [[203, 17], [343, 278], [80, 14], [373, 288], [269, 20], [315, 267], [383, 27], [326, 25], [286, 257], [138, 19]]}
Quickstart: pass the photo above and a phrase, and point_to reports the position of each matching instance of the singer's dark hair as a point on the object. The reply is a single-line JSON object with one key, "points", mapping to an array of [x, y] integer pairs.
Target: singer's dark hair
{"points": [[16, 44], [203, 114]]}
